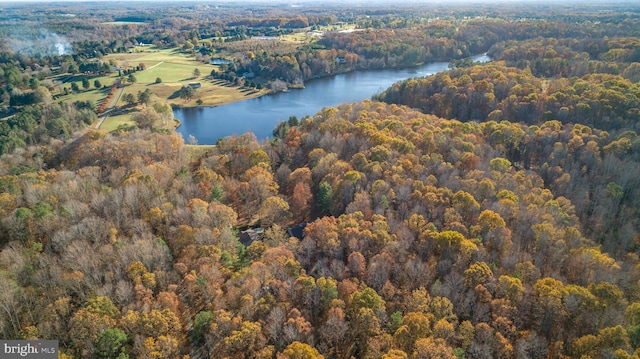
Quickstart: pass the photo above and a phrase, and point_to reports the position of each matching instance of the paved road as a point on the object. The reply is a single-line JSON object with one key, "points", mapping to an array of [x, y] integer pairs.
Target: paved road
{"points": [[116, 98], [114, 102]]}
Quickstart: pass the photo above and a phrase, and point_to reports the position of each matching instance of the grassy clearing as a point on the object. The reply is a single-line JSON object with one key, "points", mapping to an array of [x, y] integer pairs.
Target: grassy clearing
{"points": [[94, 96], [198, 151], [173, 72], [112, 122], [216, 95], [308, 35], [174, 68], [212, 93], [303, 37], [151, 55], [165, 90]]}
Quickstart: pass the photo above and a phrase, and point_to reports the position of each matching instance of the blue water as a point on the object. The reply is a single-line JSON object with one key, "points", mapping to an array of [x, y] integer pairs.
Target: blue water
{"points": [[260, 115]]}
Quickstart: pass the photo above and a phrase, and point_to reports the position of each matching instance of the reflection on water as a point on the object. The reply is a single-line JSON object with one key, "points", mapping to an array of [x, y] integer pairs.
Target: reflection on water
{"points": [[260, 115]]}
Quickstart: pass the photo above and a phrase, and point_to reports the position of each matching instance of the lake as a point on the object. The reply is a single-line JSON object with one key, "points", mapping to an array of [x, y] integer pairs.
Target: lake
{"points": [[261, 115]]}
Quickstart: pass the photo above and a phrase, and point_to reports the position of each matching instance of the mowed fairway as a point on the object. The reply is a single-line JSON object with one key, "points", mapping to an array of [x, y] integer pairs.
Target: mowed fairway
{"points": [[175, 69], [170, 65], [91, 94], [112, 122]]}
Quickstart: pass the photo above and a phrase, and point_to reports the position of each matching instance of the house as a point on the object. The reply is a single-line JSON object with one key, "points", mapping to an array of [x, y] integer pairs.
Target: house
{"points": [[251, 235], [195, 85], [297, 231]]}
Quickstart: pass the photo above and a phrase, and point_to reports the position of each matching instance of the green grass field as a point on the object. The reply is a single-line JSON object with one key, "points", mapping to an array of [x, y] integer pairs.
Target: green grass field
{"points": [[112, 122], [92, 94], [170, 71], [174, 68], [151, 55], [198, 151], [305, 36], [96, 96]]}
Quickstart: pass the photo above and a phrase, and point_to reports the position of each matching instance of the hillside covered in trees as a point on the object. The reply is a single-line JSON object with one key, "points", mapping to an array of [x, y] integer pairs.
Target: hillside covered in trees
{"points": [[490, 211], [429, 241]]}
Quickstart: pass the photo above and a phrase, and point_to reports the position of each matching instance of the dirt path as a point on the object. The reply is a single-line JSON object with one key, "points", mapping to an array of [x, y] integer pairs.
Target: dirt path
{"points": [[110, 107], [158, 64]]}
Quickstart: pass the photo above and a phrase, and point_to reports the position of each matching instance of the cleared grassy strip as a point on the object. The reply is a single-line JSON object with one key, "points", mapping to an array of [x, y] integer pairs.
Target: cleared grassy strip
{"points": [[112, 122], [95, 95], [211, 94], [151, 55], [198, 151], [218, 95], [298, 37], [173, 72]]}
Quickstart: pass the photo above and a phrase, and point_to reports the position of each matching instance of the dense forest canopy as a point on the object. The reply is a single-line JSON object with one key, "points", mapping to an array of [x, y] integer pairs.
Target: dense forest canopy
{"points": [[489, 211]]}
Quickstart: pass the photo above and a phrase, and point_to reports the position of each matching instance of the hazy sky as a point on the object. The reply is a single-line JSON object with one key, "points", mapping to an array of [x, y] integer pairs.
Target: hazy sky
{"points": [[328, 1], [337, 2]]}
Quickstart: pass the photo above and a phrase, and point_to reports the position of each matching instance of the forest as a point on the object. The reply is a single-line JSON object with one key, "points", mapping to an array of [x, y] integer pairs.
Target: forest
{"points": [[488, 211]]}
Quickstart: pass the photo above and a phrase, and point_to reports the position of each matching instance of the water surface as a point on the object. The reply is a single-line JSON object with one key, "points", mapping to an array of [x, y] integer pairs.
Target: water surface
{"points": [[261, 115]]}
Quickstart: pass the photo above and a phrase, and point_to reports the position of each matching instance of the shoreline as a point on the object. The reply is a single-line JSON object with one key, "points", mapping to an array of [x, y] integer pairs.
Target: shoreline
{"points": [[259, 128], [302, 86]]}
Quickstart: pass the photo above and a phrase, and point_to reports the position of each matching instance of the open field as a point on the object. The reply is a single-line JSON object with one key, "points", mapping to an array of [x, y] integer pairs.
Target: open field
{"points": [[198, 151], [170, 71], [112, 122], [212, 93], [94, 95], [309, 35], [298, 37], [151, 55], [174, 68]]}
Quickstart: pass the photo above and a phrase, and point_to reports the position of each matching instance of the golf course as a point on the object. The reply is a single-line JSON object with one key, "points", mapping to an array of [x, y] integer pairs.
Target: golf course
{"points": [[161, 71]]}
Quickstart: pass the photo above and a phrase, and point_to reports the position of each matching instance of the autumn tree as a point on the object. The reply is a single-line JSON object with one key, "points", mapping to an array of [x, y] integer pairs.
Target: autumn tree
{"points": [[297, 350], [146, 118]]}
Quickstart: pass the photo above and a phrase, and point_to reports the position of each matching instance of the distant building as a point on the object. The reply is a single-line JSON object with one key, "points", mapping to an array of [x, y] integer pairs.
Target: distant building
{"points": [[340, 60], [265, 38], [195, 85], [251, 235], [248, 75], [220, 61]]}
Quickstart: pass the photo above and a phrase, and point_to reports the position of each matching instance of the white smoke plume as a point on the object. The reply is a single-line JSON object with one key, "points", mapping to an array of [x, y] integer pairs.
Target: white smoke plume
{"points": [[42, 43]]}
